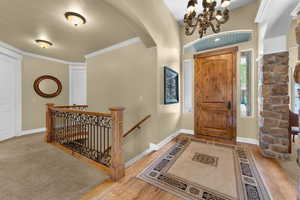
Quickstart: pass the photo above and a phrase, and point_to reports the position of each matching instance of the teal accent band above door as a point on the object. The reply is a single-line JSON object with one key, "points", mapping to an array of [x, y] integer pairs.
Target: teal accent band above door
{"points": [[218, 40]]}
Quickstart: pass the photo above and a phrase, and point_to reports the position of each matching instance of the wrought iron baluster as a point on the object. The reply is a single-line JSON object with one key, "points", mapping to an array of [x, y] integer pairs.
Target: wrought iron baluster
{"points": [[83, 133]]}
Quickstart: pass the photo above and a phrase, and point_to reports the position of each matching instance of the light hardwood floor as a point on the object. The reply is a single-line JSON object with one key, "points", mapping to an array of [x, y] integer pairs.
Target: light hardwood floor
{"points": [[131, 188]]}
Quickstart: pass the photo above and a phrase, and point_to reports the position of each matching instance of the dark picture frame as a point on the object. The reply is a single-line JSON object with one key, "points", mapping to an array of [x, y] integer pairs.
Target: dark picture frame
{"points": [[171, 86]]}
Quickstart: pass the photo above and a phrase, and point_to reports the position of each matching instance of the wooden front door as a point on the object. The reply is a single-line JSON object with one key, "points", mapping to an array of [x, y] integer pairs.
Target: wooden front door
{"points": [[215, 94]]}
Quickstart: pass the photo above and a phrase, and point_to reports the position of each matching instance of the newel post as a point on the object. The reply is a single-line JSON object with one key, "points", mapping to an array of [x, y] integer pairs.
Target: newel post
{"points": [[117, 161], [49, 123]]}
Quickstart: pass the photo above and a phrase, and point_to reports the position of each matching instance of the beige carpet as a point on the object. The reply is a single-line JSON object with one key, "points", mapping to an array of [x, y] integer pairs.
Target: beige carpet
{"points": [[207, 171], [33, 170]]}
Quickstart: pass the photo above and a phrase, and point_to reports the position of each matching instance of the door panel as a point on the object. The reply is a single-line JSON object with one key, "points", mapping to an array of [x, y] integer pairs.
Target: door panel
{"points": [[7, 97], [215, 95], [77, 85], [214, 82]]}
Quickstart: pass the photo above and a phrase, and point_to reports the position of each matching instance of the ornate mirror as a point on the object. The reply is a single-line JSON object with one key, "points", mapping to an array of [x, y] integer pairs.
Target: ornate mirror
{"points": [[47, 86]]}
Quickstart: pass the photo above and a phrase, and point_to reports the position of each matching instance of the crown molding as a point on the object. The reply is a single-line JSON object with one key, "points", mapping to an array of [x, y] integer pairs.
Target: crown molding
{"points": [[10, 47], [25, 53], [113, 47], [261, 14], [46, 58], [101, 51], [296, 10]]}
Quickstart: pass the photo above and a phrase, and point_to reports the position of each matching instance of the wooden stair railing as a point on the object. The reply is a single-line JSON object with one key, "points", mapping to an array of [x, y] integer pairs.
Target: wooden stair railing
{"points": [[89, 134], [76, 107], [137, 126]]}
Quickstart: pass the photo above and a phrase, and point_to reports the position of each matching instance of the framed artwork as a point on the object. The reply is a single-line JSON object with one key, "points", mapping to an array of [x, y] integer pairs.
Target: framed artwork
{"points": [[171, 90]]}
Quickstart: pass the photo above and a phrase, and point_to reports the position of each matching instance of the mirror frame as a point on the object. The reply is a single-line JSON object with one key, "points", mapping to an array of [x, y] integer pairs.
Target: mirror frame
{"points": [[41, 93]]}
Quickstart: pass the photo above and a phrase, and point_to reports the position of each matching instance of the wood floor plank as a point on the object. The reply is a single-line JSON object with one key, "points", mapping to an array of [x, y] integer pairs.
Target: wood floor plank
{"points": [[131, 188]]}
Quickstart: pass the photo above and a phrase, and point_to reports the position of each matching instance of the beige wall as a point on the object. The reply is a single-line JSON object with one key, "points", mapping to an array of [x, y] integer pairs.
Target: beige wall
{"points": [[33, 106], [240, 19], [129, 77], [142, 92], [166, 35], [126, 77]]}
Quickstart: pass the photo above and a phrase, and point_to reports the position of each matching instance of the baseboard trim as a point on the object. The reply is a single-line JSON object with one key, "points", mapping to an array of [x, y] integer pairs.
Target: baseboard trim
{"points": [[239, 139], [247, 140], [32, 131], [156, 147]]}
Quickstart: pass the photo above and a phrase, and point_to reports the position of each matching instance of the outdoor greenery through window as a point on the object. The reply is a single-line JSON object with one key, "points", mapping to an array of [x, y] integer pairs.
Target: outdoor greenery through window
{"points": [[245, 83]]}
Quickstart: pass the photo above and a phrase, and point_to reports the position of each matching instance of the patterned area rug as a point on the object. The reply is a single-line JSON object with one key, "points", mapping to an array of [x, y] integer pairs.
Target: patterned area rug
{"points": [[203, 170]]}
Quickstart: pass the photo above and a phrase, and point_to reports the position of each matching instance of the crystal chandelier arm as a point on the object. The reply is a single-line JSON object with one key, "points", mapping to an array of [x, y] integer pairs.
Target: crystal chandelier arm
{"points": [[189, 20], [201, 32], [211, 17], [190, 28], [225, 17], [216, 29]]}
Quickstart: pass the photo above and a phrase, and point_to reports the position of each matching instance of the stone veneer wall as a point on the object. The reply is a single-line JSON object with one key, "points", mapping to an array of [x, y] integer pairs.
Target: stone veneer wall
{"points": [[274, 111]]}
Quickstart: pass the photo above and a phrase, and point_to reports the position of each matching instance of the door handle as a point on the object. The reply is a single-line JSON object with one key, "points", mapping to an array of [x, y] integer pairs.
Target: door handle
{"points": [[229, 105]]}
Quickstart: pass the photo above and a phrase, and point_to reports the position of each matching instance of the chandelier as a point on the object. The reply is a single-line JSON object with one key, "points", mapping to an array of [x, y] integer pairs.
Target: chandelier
{"points": [[211, 17]]}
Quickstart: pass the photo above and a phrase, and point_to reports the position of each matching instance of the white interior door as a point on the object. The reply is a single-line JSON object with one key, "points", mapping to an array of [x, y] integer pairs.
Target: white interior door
{"points": [[78, 85], [8, 97]]}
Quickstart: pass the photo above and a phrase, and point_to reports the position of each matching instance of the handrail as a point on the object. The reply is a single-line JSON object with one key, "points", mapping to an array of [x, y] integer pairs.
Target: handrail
{"points": [[136, 126], [81, 112], [131, 130], [73, 106]]}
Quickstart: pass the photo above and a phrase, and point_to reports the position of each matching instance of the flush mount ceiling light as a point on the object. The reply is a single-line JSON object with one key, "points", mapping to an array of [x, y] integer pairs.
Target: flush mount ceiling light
{"points": [[212, 16], [43, 43], [75, 18]]}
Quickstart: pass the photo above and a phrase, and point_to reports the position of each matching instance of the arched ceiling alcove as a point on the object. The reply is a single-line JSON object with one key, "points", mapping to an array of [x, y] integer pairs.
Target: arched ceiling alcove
{"points": [[274, 18], [22, 23], [218, 40]]}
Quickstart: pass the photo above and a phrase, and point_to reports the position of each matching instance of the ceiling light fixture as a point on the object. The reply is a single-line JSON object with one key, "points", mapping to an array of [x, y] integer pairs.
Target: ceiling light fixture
{"points": [[211, 17], [75, 18], [43, 43]]}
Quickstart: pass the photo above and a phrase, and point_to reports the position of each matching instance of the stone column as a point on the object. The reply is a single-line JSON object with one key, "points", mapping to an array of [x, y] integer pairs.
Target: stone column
{"points": [[274, 113]]}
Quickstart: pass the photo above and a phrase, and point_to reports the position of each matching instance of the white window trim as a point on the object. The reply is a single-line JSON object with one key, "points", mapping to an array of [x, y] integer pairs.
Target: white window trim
{"points": [[292, 83]]}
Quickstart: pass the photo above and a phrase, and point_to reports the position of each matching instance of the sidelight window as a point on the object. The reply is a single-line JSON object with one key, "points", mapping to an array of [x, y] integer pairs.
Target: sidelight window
{"points": [[245, 83], [188, 66]]}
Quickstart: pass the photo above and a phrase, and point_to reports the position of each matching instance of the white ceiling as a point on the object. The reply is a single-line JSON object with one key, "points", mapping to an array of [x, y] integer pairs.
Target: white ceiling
{"points": [[179, 7]]}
